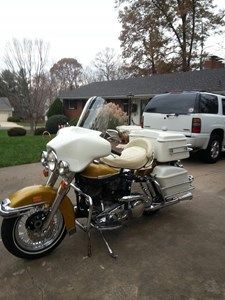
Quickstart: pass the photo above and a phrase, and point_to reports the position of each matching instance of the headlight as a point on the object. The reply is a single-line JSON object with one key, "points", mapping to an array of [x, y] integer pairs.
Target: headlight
{"points": [[44, 158], [63, 167], [52, 160]]}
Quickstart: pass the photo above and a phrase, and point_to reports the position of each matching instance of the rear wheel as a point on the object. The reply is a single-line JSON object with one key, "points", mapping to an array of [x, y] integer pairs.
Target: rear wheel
{"points": [[212, 153], [24, 237]]}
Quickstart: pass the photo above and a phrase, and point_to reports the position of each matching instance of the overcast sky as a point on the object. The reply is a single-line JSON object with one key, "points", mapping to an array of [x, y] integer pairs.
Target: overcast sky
{"points": [[73, 28]]}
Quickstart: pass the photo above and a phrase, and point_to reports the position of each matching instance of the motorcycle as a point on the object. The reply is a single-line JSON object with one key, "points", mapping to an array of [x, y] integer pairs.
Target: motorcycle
{"points": [[109, 187]]}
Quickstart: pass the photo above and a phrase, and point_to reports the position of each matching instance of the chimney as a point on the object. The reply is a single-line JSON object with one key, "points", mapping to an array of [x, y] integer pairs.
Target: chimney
{"points": [[213, 62]]}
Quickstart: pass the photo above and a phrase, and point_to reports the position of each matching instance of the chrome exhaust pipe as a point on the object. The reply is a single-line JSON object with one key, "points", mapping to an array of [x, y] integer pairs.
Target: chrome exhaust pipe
{"points": [[175, 200], [131, 198], [12, 212], [187, 196]]}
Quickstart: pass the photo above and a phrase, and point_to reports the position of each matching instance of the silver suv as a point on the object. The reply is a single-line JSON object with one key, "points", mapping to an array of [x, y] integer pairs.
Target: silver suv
{"points": [[199, 116]]}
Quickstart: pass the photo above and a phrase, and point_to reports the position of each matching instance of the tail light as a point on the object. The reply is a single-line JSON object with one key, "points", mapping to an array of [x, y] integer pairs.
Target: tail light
{"points": [[196, 125]]}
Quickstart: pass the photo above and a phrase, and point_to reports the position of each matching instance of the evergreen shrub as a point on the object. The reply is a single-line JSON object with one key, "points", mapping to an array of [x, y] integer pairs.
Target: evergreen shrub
{"points": [[53, 123], [16, 131]]}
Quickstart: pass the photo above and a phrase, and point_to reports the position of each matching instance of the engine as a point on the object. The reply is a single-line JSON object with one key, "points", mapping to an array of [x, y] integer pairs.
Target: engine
{"points": [[112, 199], [107, 190]]}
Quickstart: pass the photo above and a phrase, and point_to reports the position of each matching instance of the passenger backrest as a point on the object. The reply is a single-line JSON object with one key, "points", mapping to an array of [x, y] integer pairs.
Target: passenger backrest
{"points": [[144, 143]]}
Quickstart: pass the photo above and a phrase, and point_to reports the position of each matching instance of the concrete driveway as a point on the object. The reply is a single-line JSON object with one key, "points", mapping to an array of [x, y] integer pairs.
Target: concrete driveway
{"points": [[179, 253], [7, 125]]}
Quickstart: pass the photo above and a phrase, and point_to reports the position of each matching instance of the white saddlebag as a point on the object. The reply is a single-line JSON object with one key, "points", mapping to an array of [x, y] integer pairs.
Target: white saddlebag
{"points": [[173, 180]]}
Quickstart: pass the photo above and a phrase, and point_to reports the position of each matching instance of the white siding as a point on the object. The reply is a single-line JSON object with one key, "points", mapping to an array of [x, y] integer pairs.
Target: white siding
{"points": [[4, 115]]}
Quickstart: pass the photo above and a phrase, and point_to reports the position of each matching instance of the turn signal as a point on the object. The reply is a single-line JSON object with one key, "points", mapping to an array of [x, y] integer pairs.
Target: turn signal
{"points": [[45, 173], [196, 125], [64, 185]]}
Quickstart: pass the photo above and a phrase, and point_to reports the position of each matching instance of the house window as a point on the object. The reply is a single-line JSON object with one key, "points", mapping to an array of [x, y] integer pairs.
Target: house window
{"points": [[72, 104]]}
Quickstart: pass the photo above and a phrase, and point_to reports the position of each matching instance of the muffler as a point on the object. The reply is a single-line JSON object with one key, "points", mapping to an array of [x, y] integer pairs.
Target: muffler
{"points": [[175, 200]]}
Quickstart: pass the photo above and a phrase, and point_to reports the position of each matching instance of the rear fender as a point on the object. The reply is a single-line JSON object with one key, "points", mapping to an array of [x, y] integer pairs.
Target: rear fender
{"points": [[39, 194]]}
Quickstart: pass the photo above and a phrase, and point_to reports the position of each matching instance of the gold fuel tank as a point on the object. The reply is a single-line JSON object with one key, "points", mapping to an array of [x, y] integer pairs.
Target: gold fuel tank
{"points": [[99, 171]]}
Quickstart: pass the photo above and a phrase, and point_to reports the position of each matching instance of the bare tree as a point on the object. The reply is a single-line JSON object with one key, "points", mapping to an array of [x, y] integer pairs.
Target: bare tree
{"points": [[27, 60], [108, 65], [66, 74], [89, 75]]}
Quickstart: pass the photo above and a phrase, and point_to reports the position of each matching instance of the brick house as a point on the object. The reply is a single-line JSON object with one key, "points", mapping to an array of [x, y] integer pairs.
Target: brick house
{"points": [[132, 94]]}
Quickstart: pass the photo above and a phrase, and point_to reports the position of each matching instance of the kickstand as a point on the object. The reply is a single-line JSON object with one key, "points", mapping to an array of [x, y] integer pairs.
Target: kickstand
{"points": [[89, 244], [112, 254]]}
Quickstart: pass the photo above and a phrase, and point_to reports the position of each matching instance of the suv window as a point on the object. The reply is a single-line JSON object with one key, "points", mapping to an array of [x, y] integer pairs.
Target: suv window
{"points": [[172, 103], [223, 105], [208, 104]]}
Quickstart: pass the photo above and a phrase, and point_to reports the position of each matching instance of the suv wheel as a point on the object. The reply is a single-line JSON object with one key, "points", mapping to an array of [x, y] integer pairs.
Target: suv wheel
{"points": [[212, 153]]}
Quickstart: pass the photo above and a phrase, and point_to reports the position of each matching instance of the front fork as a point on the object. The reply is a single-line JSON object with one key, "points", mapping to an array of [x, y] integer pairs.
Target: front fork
{"points": [[61, 193], [52, 178]]}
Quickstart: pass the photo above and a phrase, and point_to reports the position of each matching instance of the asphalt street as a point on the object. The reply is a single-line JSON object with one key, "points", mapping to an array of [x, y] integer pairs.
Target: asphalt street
{"points": [[178, 253]]}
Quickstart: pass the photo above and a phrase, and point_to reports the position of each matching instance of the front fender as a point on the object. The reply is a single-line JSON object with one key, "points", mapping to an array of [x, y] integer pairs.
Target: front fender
{"points": [[39, 193]]}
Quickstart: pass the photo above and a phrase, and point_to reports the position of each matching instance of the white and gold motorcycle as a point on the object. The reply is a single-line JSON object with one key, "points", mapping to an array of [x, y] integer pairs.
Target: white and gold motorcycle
{"points": [[109, 188]]}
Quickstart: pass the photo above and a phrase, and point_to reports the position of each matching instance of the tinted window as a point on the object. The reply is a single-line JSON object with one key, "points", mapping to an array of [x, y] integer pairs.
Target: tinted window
{"points": [[172, 103], [208, 104], [223, 104]]}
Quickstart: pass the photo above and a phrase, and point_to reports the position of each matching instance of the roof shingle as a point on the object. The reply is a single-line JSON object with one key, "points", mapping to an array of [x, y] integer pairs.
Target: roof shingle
{"points": [[212, 80]]}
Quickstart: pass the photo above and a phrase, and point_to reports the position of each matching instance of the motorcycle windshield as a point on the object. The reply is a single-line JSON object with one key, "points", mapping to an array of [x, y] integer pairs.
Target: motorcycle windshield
{"points": [[94, 115]]}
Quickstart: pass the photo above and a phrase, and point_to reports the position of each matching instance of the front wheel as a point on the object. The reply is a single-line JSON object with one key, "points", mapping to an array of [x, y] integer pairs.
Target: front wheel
{"points": [[24, 238]]}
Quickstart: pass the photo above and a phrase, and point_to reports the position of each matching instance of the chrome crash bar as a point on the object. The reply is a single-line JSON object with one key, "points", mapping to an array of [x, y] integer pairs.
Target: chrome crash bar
{"points": [[11, 212]]}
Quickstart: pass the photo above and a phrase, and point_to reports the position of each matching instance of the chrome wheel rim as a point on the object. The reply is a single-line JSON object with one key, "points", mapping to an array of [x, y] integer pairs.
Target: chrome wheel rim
{"points": [[37, 241], [215, 149]]}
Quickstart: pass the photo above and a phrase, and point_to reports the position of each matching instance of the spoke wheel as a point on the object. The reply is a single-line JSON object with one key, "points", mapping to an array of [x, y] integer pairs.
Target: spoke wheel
{"points": [[24, 237]]}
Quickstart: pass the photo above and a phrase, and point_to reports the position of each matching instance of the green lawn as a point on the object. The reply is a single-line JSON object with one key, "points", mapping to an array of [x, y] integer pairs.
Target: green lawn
{"points": [[20, 149]]}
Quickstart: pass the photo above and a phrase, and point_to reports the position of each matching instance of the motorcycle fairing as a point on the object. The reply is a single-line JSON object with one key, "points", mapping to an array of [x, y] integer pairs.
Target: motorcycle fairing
{"points": [[39, 193], [79, 147]]}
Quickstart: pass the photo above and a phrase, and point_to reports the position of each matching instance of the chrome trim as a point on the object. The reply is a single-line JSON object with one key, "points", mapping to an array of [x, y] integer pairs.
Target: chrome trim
{"points": [[53, 178], [89, 202], [191, 178], [44, 158], [61, 193], [63, 167], [131, 198], [53, 160], [107, 228], [177, 150], [187, 196], [11, 212]]}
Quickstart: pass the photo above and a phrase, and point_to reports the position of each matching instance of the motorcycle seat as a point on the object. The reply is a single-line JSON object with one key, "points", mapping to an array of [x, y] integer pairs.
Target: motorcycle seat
{"points": [[135, 155]]}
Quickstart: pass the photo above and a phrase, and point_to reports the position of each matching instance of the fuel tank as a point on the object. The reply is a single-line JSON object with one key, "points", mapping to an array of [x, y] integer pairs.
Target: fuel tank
{"points": [[99, 171]]}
